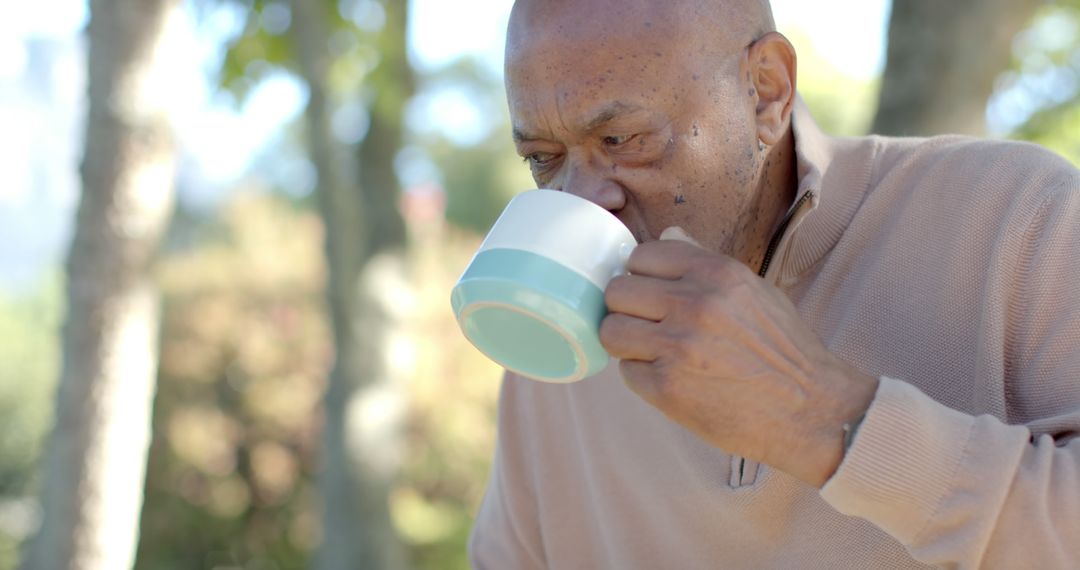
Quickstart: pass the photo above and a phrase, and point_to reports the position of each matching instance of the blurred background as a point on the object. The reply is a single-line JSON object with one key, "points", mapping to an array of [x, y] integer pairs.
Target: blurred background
{"points": [[229, 229]]}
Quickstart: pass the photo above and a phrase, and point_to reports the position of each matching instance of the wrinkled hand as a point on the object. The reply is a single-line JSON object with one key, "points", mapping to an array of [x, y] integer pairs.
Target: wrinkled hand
{"points": [[716, 349]]}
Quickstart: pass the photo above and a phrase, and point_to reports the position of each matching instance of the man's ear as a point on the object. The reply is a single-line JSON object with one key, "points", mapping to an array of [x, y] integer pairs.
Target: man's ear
{"points": [[772, 70]]}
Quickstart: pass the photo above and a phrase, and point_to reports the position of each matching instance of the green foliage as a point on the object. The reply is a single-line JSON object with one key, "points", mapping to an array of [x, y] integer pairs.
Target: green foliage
{"points": [[842, 105], [451, 428], [254, 52], [1046, 76], [266, 45], [263, 46], [244, 354], [480, 180], [1057, 128], [452, 421], [9, 551], [30, 353]]}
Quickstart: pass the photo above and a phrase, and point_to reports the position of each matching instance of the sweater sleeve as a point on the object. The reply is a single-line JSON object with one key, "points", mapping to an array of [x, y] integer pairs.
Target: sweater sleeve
{"points": [[505, 533], [967, 491], [959, 490]]}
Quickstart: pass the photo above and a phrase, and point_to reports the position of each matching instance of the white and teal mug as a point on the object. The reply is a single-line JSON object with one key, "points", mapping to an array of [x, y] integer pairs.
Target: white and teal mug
{"points": [[532, 297]]}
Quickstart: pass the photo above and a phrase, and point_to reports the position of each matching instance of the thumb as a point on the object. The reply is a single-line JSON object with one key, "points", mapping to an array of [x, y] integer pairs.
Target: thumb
{"points": [[678, 234]]}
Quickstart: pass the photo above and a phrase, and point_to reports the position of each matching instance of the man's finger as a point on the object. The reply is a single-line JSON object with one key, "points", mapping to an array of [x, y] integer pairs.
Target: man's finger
{"points": [[638, 296], [627, 337], [638, 376], [665, 259]]}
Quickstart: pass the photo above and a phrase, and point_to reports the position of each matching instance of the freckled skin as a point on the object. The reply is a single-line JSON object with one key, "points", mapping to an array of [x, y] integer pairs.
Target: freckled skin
{"points": [[693, 130], [671, 138]]}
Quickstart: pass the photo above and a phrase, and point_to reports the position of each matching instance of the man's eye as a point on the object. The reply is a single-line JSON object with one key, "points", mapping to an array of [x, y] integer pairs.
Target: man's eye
{"points": [[617, 140], [539, 159]]}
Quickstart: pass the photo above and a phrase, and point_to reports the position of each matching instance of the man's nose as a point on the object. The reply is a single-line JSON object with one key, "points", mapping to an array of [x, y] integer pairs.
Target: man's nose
{"points": [[596, 184]]}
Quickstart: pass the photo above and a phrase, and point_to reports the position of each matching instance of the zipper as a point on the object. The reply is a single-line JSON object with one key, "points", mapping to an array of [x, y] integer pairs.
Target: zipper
{"points": [[739, 480], [743, 473], [778, 235]]}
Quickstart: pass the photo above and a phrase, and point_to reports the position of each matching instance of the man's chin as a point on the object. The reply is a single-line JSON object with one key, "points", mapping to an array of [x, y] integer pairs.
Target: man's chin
{"points": [[642, 236]]}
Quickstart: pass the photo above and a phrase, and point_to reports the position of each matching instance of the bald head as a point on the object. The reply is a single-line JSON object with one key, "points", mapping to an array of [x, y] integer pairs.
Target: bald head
{"points": [[643, 106], [699, 25]]}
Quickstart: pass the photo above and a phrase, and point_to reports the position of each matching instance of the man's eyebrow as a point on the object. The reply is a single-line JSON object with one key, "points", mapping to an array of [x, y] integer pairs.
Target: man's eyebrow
{"points": [[599, 118], [607, 113], [520, 136]]}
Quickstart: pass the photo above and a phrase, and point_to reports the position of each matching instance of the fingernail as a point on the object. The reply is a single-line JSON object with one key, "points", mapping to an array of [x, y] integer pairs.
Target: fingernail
{"points": [[674, 232]]}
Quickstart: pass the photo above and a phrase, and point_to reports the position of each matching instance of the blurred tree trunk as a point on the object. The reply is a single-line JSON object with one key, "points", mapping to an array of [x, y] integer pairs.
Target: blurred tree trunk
{"points": [[393, 84], [94, 461], [942, 59], [365, 240]]}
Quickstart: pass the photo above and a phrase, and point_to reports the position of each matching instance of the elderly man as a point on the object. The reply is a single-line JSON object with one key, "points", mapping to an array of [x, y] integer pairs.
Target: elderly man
{"points": [[832, 353]]}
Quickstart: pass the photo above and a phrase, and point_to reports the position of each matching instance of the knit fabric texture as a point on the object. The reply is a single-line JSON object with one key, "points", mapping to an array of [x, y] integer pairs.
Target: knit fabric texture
{"points": [[950, 268]]}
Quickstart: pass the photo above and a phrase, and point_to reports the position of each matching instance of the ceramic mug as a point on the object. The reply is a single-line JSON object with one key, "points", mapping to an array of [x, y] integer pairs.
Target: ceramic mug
{"points": [[532, 297]]}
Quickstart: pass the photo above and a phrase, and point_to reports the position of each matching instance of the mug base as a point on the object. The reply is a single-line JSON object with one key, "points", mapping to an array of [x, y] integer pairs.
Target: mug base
{"points": [[532, 315]]}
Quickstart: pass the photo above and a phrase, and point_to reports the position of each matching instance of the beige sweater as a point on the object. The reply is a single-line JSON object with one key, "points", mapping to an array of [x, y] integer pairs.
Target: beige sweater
{"points": [[949, 267]]}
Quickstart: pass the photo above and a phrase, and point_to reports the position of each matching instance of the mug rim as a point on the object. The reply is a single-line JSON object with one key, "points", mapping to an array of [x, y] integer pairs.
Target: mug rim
{"points": [[581, 359]]}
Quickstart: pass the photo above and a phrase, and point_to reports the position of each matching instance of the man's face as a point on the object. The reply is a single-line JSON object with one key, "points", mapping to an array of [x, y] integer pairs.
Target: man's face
{"points": [[639, 113]]}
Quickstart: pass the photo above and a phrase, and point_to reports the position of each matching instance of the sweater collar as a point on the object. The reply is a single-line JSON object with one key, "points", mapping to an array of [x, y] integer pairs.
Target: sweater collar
{"points": [[835, 172], [812, 151]]}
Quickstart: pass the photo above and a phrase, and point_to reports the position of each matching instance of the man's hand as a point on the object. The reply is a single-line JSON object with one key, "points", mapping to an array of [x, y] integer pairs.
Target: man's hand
{"points": [[716, 349]]}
